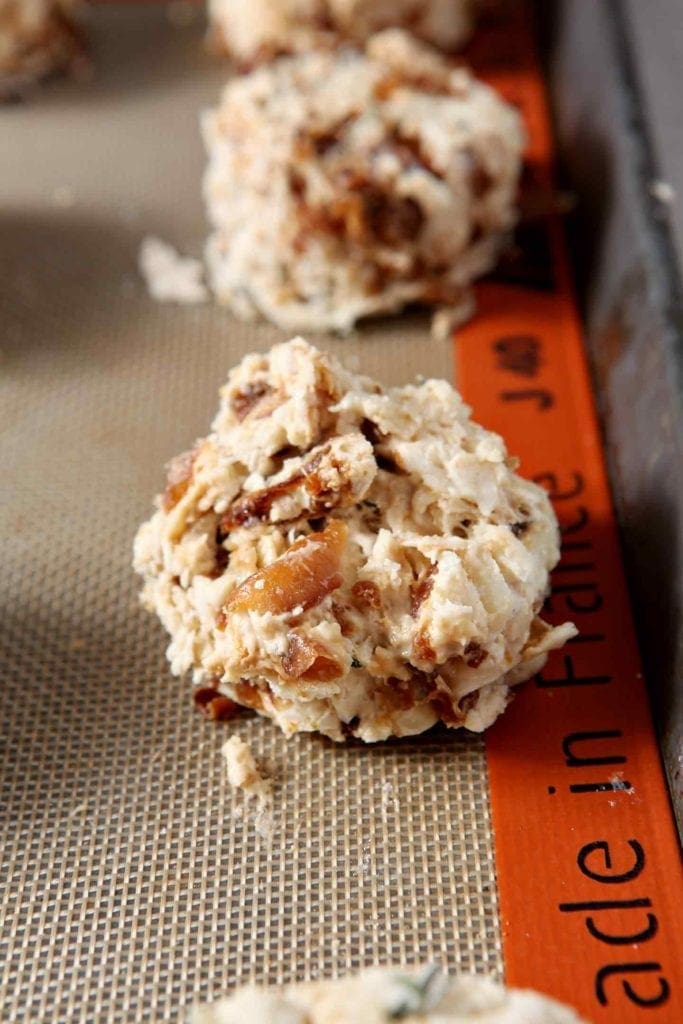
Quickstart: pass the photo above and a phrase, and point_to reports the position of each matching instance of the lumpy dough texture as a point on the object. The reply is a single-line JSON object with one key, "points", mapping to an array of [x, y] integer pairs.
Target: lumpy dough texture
{"points": [[349, 559], [350, 183], [260, 29], [37, 38], [384, 994]]}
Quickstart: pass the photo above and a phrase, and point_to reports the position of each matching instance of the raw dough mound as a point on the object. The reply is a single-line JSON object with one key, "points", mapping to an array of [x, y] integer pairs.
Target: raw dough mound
{"points": [[384, 994], [37, 38], [260, 29], [346, 184], [348, 559]]}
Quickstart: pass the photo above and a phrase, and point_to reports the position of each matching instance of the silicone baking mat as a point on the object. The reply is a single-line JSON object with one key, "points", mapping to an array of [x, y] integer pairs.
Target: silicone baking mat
{"points": [[129, 888], [133, 883]]}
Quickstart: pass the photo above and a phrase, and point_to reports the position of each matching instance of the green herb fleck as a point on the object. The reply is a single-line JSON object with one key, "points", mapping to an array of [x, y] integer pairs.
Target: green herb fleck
{"points": [[418, 993]]}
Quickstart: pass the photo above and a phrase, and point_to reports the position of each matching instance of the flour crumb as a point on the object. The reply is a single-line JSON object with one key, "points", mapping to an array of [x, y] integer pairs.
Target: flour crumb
{"points": [[663, 191], [63, 197], [169, 276], [244, 774], [618, 783], [389, 801]]}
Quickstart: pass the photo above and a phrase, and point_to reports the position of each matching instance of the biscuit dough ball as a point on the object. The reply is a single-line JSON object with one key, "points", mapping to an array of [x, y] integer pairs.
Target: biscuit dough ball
{"points": [[348, 559], [384, 994], [350, 183], [37, 38], [256, 30]]}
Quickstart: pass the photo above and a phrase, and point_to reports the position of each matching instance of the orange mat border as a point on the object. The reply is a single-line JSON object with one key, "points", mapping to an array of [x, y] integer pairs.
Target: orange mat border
{"points": [[588, 862]]}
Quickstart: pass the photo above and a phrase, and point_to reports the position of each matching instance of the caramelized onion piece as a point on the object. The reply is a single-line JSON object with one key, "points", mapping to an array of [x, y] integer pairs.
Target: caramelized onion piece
{"points": [[422, 647], [215, 705], [475, 654], [420, 590], [309, 660], [445, 708], [248, 694], [247, 398], [255, 506], [340, 613], [368, 593], [179, 478], [302, 577]]}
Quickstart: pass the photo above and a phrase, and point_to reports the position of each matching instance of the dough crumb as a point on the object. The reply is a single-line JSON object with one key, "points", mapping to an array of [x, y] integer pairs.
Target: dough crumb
{"points": [[244, 774], [169, 276], [243, 771]]}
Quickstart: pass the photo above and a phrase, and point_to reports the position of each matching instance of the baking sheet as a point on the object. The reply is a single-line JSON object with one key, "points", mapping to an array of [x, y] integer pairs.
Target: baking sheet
{"points": [[129, 886], [629, 281], [135, 882]]}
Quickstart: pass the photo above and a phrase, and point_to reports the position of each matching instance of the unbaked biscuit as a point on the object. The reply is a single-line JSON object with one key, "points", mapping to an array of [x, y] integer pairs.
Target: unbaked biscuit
{"points": [[348, 559], [350, 183], [37, 38], [261, 29], [384, 994]]}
